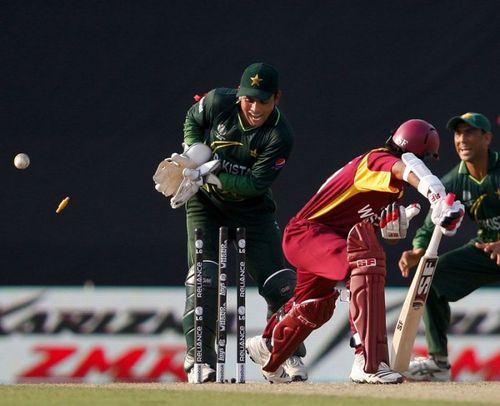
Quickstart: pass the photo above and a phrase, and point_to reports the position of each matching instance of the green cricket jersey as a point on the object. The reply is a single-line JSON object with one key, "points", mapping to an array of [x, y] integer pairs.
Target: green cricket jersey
{"points": [[480, 198], [251, 158]]}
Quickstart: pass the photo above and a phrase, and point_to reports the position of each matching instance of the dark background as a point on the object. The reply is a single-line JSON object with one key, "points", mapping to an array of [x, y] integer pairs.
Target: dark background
{"points": [[96, 92]]}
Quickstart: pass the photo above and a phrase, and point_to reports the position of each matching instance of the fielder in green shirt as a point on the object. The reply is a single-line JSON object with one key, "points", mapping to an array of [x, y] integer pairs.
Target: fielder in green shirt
{"points": [[248, 142], [476, 183]]}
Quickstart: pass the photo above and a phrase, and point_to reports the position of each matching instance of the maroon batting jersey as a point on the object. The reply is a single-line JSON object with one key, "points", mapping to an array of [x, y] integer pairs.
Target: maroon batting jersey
{"points": [[358, 191]]}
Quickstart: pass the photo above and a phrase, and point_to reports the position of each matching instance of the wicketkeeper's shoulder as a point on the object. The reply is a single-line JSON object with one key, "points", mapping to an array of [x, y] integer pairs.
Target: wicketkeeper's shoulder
{"points": [[222, 97]]}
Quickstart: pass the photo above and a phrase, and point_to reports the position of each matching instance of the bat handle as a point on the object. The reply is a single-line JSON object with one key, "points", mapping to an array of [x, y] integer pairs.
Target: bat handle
{"points": [[437, 234], [449, 199]]}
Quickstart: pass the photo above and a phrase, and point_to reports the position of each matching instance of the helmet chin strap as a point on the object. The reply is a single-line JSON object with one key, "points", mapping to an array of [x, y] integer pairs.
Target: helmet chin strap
{"points": [[391, 145], [428, 156]]}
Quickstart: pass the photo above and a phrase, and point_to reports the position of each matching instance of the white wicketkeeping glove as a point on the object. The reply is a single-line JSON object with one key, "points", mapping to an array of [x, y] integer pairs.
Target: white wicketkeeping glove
{"points": [[395, 219], [193, 179], [448, 218], [169, 174]]}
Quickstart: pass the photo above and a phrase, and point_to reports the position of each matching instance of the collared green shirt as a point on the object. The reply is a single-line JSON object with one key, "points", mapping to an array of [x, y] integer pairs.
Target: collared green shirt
{"points": [[251, 158], [481, 199]]}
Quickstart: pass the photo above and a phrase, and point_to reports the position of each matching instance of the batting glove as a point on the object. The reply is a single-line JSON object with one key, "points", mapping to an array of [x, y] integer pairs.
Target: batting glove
{"points": [[448, 218], [395, 219]]}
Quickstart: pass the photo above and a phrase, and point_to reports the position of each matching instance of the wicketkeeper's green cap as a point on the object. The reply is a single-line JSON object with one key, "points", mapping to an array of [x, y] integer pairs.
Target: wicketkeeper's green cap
{"points": [[476, 120], [258, 80]]}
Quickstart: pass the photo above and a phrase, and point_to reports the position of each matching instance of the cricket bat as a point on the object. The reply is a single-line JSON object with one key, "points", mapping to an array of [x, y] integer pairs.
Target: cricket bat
{"points": [[413, 306]]}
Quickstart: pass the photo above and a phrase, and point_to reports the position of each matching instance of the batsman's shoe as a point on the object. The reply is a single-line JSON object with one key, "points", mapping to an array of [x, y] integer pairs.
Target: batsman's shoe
{"points": [[383, 375], [428, 369], [295, 369], [207, 374], [259, 353]]}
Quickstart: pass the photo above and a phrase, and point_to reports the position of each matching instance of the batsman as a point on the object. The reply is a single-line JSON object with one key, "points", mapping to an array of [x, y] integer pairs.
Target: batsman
{"points": [[236, 143], [332, 239]]}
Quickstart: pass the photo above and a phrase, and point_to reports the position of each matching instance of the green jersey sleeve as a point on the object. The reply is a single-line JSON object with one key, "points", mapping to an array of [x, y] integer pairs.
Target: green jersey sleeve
{"points": [[197, 119]]}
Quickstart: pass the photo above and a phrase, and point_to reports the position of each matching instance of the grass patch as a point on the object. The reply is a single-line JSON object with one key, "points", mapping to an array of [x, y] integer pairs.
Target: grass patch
{"points": [[96, 395]]}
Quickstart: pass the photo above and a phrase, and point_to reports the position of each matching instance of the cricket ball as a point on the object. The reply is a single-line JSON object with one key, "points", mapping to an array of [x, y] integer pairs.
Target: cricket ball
{"points": [[21, 161]]}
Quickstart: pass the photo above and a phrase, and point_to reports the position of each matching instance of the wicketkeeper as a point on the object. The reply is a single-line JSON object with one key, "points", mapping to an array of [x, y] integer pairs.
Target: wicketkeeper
{"points": [[332, 239], [236, 143]]}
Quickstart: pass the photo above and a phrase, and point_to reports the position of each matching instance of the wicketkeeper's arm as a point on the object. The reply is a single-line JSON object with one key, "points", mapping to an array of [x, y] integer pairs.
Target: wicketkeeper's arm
{"points": [[198, 119]]}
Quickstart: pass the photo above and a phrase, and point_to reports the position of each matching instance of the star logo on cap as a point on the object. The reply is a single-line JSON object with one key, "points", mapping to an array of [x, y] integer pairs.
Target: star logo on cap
{"points": [[255, 80]]}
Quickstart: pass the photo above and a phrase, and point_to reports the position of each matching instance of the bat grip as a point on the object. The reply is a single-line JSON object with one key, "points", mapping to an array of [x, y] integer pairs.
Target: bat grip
{"points": [[449, 199], [432, 248]]}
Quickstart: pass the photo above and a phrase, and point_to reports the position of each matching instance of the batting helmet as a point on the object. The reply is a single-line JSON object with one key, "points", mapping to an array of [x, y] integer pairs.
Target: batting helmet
{"points": [[417, 136]]}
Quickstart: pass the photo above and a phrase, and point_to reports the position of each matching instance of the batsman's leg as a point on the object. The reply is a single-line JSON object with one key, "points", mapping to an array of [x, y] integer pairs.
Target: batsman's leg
{"points": [[286, 334], [295, 327], [367, 307], [277, 290], [276, 283]]}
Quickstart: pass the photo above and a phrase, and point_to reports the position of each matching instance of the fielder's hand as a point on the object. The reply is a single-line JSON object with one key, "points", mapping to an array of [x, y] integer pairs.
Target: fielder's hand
{"points": [[447, 217], [395, 219], [492, 248], [409, 259]]}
